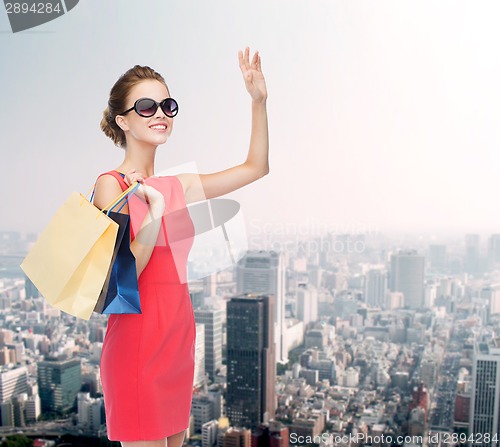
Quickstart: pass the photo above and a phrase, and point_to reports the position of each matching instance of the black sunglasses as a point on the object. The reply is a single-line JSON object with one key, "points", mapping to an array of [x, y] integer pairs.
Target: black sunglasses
{"points": [[147, 107]]}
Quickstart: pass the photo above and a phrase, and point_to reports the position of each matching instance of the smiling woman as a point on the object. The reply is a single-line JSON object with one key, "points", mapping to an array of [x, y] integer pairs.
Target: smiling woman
{"points": [[147, 362]]}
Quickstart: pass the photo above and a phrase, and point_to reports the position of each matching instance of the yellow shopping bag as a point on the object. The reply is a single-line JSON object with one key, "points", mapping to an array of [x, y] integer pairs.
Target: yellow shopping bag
{"points": [[71, 259]]}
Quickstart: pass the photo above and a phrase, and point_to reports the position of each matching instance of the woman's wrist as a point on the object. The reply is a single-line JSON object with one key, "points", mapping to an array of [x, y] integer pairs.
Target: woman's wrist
{"points": [[259, 103]]}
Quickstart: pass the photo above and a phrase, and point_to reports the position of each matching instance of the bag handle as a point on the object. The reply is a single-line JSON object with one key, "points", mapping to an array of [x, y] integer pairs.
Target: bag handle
{"points": [[123, 196]]}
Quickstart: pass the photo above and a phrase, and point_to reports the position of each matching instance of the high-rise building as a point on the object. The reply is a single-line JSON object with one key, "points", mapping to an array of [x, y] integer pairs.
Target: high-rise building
{"points": [[438, 258], [307, 303], [30, 290], [199, 365], [59, 382], [7, 356], [210, 285], [492, 294], [7, 414], [461, 414], [237, 437], [274, 434], [485, 399], [212, 319], [407, 277], [13, 381], [222, 428], [472, 253], [33, 408], [430, 294], [197, 295], [251, 368], [494, 249], [20, 409], [263, 272], [376, 288], [395, 300], [90, 411], [209, 433], [202, 409]]}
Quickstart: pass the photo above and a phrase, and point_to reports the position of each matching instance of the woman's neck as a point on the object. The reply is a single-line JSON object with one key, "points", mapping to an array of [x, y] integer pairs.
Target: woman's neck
{"points": [[139, 157]]}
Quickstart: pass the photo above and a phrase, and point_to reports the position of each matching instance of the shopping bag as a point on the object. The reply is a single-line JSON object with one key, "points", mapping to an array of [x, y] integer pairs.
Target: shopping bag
{"points": [[120, 294], [70, 260]]}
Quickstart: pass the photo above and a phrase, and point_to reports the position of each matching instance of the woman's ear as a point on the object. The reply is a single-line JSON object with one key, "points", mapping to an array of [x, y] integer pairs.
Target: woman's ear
{"points": [[121, 122]]}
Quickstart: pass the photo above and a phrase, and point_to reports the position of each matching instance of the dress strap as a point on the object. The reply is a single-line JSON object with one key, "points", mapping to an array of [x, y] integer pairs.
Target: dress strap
{"points": [[119, 176]]}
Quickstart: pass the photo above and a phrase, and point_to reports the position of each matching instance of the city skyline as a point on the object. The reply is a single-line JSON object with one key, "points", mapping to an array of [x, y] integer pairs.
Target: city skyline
{"points": [[357, 350]]}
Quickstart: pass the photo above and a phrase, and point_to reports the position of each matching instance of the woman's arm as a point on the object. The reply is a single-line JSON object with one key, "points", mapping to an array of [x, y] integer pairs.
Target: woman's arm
{"points": [[207, 186], [108, 188]]}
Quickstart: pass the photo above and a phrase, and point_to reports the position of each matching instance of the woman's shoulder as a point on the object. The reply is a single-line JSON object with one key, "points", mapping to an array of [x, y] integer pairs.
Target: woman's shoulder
{"points": [[111, 173], [112, 177], [107, 187]]}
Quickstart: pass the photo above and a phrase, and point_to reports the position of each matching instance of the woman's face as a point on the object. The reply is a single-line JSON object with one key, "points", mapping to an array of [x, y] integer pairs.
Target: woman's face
{"points": [[155, 129]]}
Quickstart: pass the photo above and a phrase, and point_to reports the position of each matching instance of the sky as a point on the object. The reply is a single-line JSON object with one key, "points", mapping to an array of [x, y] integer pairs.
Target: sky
{"points": [[382, 114]]}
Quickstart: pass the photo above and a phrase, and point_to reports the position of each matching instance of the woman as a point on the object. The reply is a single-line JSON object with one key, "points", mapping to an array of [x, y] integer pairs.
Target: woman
{"points": [[147, 362]]}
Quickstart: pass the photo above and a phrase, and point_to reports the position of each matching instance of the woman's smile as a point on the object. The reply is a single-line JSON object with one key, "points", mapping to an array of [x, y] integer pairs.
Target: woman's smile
{"points": [[159, 127]]}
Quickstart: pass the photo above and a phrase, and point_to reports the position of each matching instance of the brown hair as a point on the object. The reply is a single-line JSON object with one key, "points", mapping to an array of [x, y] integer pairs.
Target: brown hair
{"points": [[118, 99]]}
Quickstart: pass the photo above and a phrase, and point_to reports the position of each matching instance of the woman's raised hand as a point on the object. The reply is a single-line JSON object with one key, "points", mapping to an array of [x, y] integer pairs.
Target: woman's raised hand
{"points": [[252, 74]]}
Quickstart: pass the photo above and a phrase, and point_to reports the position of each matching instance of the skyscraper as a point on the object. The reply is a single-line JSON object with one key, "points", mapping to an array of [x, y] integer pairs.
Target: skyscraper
{"points": [[438, 258], [472, 254], [407, 277], [212, 319], [199, 366], [376, 288], [13, 381], [263, 272], [492, 294], [237, 437], [485, 399], [30, 289], [307, 303], [59, 382], [494, 249], [251, 366], [274, 434]]}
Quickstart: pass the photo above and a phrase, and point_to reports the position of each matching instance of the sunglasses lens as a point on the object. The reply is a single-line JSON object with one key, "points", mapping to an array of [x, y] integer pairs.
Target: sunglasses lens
{"points": [[146, 107], [170, 107]]}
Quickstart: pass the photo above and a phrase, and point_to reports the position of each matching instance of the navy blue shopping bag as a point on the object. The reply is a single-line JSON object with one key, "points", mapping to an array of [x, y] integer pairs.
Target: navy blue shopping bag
{"points": [[120, 293]]}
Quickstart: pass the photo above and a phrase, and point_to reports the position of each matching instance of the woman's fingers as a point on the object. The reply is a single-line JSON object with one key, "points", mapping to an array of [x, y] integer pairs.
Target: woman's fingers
{"points": [[245, 65], [252, 74], [247, 58], [133, 176], [242, 62], [243, 59], [255, 60]]}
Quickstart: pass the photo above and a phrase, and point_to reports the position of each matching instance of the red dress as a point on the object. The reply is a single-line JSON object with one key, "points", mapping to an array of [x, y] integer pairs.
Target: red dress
{"points": [[147, 361]]}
